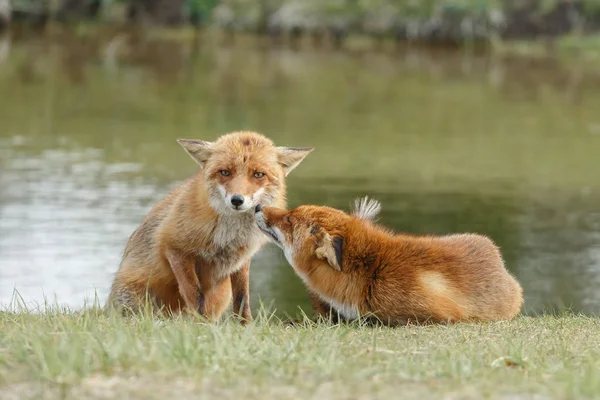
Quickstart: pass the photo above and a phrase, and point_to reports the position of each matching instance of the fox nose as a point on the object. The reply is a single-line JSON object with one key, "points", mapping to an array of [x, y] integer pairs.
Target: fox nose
{"points": [[258, 208], [237, 200]]}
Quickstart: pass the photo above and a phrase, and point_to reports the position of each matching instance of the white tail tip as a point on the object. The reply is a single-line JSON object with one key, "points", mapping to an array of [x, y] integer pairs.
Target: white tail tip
{"points": [[365, 208]]}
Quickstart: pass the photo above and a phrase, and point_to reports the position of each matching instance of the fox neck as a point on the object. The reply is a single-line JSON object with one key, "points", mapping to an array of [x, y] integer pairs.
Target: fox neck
{"points": [[341, 290], [349, 290], [234, 228]]}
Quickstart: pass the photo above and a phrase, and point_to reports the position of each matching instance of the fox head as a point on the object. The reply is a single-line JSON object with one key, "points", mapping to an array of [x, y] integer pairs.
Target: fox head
{"points": [[243, 169], [313, 237]]}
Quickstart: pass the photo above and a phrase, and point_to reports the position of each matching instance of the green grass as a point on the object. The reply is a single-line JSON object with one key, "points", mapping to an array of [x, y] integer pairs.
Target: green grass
{"points": [[59, 354]]}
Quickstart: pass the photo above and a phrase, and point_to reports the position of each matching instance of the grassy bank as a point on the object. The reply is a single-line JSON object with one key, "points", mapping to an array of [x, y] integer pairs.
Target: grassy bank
{"points": [[91, 355]]}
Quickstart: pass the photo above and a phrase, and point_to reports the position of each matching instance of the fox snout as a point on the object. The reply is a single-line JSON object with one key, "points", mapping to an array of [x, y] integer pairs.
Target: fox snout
{"points": [[260, 218], [271, 231], [237, 200]]}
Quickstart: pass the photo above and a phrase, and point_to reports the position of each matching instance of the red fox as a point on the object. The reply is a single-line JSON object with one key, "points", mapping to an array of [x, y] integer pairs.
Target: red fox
{"points": [[354, 267], [192, 252]]}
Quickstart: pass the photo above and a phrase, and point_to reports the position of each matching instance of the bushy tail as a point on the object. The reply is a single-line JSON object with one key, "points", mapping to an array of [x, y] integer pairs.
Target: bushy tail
{"points": [[365, 208]]}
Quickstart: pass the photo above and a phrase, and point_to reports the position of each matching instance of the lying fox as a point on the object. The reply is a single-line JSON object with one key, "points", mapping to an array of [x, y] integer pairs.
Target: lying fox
{"points": [[354, 267], [192, 252]]}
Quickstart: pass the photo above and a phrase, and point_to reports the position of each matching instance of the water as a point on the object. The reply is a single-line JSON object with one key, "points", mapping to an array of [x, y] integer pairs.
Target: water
{"points": [[507, 147]]}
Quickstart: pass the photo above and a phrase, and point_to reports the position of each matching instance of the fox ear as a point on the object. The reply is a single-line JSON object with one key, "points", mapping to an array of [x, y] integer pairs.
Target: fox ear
{"points": [[290, 157], [330, 249], [199, 150]]}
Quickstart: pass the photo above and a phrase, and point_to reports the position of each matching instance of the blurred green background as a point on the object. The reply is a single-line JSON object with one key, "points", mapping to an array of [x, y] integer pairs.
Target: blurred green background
{"points": [[500, 138]]}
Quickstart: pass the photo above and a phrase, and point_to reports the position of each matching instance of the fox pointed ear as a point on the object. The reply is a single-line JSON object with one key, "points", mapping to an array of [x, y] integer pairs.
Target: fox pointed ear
{"points": [[290, 157], [330, 249], [199, 150]]}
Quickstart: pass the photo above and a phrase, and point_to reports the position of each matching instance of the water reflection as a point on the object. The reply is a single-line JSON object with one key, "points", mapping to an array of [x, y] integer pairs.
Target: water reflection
{"points": [[4, 48], [447, 142]]}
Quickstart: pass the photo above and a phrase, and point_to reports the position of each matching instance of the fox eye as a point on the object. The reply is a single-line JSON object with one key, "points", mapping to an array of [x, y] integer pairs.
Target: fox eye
{"points": [[259, 175], [225, 172], [288, 219]]}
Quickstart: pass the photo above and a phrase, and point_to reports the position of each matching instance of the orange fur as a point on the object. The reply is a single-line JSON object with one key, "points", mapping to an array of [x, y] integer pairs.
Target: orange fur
{"points": [[192, 252], [360, 268]]}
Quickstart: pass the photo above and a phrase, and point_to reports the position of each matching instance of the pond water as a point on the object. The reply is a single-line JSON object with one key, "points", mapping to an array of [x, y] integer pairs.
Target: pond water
{"points": [[448, 142]]}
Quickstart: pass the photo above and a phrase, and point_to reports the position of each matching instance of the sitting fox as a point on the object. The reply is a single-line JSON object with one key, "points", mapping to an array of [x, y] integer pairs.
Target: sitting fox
{"points": [[354, 267], [192, 252]]}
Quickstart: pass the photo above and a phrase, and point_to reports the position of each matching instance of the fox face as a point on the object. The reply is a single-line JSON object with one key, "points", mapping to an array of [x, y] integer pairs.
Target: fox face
{"points": [[310, 236], [243, 169]]}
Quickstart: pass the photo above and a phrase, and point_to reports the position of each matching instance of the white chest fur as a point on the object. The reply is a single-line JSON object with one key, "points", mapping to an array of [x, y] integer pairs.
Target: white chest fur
{"points": [[235, 239], [236, 230], [348, 311]]}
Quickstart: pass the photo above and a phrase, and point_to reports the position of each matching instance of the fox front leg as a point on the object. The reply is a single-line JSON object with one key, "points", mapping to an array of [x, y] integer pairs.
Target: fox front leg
{"points": [[187, 280], [240, 288]]}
